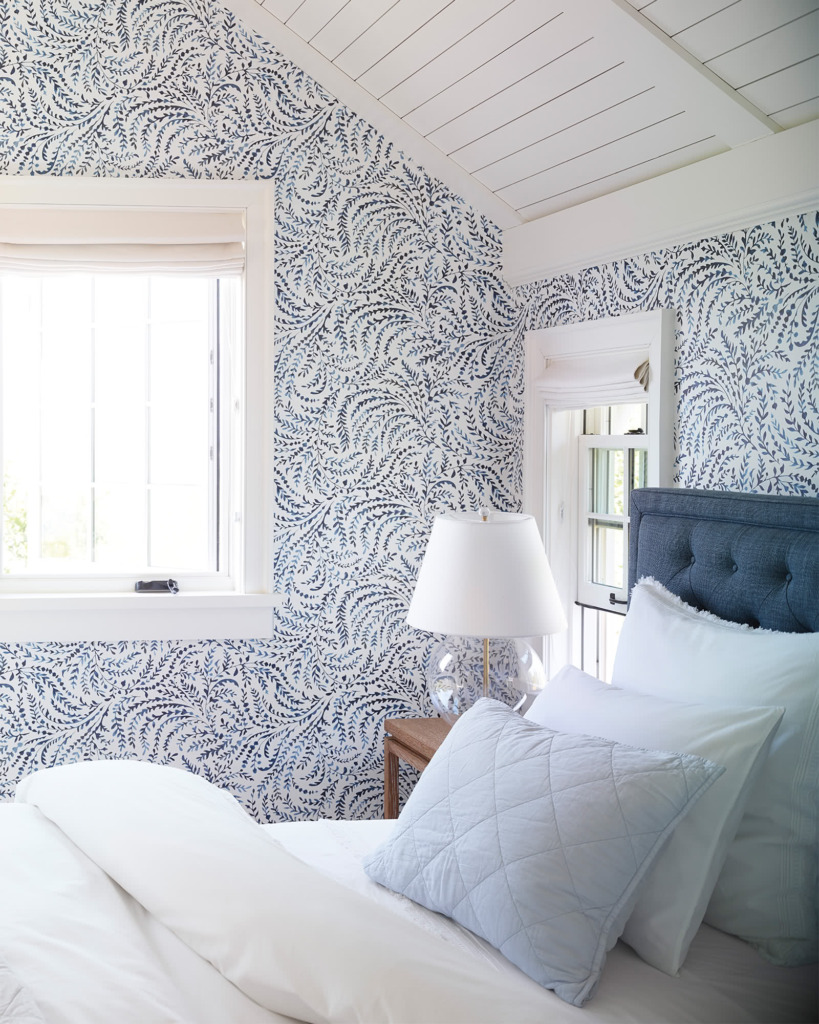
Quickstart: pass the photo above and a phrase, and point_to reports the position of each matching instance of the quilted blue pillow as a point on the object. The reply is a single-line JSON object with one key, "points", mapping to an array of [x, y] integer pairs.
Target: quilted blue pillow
{"points": [[537, 840]]}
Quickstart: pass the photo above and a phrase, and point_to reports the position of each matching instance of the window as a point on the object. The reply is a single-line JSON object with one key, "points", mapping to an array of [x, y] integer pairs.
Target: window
{"points": [[610, 466], [599, 415], [116, 442], [134, 382]]}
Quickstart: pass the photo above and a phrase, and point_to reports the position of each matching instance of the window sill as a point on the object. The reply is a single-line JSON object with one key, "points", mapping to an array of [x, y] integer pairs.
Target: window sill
{"points": [[28, 618]]}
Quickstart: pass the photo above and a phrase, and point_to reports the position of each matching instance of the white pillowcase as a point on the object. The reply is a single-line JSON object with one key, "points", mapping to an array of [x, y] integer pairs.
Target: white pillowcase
{"points": [[767, 891], [537, 840], [672, 900]]}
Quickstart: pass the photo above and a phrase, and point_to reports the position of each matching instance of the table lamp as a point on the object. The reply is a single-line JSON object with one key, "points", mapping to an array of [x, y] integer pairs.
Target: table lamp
{"points": [[484, 575]]}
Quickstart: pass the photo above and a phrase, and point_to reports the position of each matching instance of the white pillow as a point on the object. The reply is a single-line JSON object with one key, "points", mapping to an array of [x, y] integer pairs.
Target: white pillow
{"points": [[538, 840], [673, 898], [767, 891]]}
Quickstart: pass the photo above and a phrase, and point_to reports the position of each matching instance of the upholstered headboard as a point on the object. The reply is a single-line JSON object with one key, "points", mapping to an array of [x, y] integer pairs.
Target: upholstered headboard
{"points": [[751, 558]]}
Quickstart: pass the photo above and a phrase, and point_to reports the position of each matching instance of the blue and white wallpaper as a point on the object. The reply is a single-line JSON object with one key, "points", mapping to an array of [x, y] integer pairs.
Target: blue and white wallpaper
{"points": [[747, 377], [396, 398], [398, 367]]}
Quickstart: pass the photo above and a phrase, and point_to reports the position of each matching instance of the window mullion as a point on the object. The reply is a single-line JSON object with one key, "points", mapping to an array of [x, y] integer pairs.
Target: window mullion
{"points": [[92, 530], [3, 497], [147, 353], [214, 414], [37, 529]]}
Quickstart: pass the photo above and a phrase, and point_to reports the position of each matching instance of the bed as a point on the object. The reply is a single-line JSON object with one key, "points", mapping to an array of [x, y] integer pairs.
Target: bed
{"points": [[140, 893]]}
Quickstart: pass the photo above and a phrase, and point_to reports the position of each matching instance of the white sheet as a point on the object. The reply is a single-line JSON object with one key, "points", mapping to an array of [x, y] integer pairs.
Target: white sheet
{"points": [[290, 938], [86, 951], [722, 981]]}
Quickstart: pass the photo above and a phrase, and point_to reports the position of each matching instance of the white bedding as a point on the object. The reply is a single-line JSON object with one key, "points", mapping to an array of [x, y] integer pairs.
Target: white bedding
{"points": [[723, 980], [84, 950]]}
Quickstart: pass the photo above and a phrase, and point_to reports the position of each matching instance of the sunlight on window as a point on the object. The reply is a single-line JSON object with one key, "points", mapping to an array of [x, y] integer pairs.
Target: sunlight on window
{"points": [[109, 404]]}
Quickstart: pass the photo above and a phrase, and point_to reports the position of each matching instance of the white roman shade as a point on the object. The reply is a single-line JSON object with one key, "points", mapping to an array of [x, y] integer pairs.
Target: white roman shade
{"points": [[598, 378], [58, 239]]}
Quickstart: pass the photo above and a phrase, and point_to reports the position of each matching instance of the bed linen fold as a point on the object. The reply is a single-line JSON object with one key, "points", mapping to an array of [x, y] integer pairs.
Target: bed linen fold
{"points": [[293, 940], [16, 1003], [85, 952]]}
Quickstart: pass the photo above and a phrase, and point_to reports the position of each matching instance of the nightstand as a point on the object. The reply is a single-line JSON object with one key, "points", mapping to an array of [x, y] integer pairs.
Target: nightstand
{"points": [[414, 740]]}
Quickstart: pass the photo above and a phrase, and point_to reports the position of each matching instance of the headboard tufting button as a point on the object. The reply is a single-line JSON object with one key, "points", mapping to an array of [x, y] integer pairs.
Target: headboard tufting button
{"points": [[734, 567], [692, 560], [788, 577]]}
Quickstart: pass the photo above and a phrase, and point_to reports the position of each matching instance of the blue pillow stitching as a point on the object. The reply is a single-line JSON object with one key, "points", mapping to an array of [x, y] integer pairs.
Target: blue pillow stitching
{"points": [[512, 898]]}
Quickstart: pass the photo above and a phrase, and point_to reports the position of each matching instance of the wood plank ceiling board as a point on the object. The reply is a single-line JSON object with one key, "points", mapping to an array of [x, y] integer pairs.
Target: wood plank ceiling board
{"points": [[622, 121], [800, 114], [426, 29], [579, 102], [784, 46], [786, 88], [673, 16], [311, 16], [583, 192], [508, 26], [668, 136], [511, 76], [532, 106], [738, 24], [563, 73], [352, 21], [281, 9], [729, 116]]}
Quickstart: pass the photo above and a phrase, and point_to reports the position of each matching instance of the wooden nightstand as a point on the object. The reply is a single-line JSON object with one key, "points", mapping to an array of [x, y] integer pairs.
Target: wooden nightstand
{"points": [[414, 740]]}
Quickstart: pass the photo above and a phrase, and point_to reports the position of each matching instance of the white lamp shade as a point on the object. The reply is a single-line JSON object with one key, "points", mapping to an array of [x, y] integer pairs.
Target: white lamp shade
{"points": [[486, 578]]}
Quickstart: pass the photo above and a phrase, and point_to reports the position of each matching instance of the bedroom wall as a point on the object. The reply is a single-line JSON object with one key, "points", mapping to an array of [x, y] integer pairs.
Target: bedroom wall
{"points": [[395, 398], [747, 355], [398, 393]]}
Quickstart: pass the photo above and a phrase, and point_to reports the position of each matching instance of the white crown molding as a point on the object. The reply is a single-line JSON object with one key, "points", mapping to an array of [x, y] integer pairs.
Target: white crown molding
{"points": [[414, 146], [763, 180]]}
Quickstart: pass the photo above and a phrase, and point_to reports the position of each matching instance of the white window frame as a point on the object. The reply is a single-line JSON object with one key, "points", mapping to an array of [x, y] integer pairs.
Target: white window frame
{"points": [[247, 611], [602, 596], [551, 438]]}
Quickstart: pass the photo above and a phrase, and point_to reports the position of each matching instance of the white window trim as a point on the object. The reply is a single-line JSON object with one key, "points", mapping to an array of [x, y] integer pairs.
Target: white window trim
{"points": [[598, 595], [247, 612], [550, 491]]}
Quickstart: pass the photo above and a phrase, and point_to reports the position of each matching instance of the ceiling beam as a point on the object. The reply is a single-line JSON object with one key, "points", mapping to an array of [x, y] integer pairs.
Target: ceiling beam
{"points": [[733, 119], [770, 178]]}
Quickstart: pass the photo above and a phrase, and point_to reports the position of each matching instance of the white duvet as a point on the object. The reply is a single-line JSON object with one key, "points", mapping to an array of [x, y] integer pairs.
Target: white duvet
{"points": [[136, 894], [291, 939]]}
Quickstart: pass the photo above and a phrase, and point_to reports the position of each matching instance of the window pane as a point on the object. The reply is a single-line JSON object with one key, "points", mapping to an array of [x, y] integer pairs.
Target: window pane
{"points": [[119, 527], [627, 418], [639, 467], [607, 481], [107, 391], [615, 419], [607, 554], [64, 540], [179, 527]]}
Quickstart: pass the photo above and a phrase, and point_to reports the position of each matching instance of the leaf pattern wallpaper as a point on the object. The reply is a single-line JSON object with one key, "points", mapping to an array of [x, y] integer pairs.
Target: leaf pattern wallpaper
{"points": [[398, 370], [747, 361]]}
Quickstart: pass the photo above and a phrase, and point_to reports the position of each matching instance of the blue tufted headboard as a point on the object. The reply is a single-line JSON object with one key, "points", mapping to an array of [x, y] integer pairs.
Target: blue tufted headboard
{"points": [[750, 558]]}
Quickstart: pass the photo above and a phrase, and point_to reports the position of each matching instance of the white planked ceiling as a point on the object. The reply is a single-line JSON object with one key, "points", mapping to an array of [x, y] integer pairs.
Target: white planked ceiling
{"points": [[539, 105]]}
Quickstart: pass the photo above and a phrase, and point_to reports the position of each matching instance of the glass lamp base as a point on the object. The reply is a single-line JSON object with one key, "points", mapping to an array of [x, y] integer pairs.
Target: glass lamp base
{"points": [[455, 674]]}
